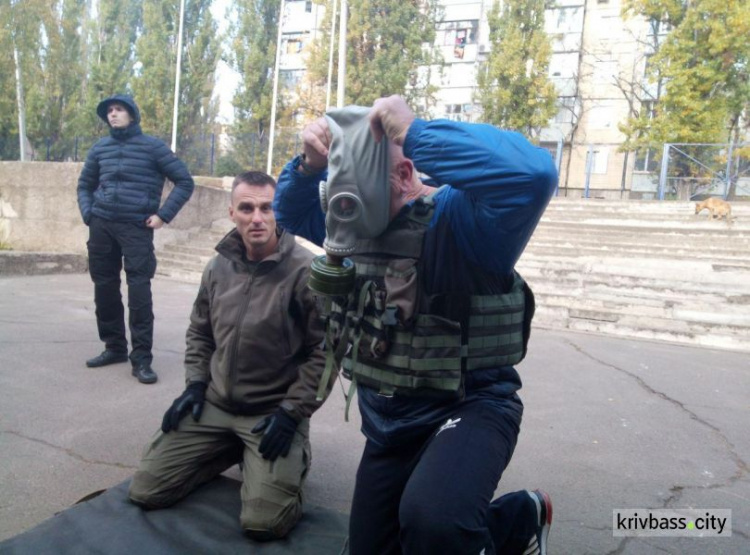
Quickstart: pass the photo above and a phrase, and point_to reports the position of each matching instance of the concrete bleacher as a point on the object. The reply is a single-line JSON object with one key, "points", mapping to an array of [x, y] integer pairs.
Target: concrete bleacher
{"points": [[639, 269]]}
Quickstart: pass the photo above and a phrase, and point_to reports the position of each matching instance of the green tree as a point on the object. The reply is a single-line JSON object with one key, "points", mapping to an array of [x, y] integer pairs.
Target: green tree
{"points": [[156, 56], [388, 41], [63, 70], [21, 40], [109, 55], [198, 107], [703, 64], [252, 53], [154, 81], [513, 88]]}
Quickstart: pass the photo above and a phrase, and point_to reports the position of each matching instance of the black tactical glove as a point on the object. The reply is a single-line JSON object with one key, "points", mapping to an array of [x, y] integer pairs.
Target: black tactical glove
{"points": [[192, 398], [278, 432]]}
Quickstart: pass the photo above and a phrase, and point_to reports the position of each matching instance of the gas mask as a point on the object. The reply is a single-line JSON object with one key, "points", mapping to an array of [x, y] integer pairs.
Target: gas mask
{"points": [[355, 197]]}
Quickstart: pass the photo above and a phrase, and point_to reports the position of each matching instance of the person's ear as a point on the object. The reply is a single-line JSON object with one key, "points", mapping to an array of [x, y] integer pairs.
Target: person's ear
{"points": [[405, 172]]}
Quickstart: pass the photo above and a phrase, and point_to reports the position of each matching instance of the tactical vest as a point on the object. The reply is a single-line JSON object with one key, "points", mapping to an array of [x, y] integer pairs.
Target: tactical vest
{"points": [[392, 336]]}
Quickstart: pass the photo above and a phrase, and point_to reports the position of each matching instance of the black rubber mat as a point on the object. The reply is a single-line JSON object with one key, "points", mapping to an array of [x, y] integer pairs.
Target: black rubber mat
{"points": [[207, 521]]}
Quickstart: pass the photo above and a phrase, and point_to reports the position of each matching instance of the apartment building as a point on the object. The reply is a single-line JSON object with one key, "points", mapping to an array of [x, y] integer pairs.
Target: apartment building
{"points": [[596, 56]]}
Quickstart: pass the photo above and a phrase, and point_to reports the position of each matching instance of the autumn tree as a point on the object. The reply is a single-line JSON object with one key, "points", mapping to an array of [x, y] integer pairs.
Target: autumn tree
{"points": [[513, 88], [63, 70], [109, 58], [703, 67], [21, 39], [388, 41], [252, 54], [154, 81]]}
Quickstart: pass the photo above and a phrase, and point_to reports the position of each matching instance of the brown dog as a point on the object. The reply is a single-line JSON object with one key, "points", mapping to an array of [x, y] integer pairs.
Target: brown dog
{"points": [[718, 208]]}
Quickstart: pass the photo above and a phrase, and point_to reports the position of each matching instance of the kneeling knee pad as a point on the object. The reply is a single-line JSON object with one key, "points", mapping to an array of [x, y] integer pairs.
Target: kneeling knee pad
{"points": [[261, 535]]}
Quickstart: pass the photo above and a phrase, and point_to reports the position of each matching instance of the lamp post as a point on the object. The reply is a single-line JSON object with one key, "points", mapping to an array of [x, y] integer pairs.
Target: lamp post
{"points": [[342, 55], [177, 78], [330, 55], [275, 95]]}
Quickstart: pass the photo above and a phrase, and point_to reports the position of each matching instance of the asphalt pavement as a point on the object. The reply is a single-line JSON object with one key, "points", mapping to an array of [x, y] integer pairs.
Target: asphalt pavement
{"points": [[609, 424]]}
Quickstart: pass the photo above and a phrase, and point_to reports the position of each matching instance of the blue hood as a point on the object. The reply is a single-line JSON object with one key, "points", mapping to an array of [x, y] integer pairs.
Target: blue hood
{"points": [[126, 100]]}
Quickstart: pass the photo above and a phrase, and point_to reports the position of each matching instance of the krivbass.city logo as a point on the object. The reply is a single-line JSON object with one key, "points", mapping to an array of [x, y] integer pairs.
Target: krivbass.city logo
{"points": [[685, 523]]}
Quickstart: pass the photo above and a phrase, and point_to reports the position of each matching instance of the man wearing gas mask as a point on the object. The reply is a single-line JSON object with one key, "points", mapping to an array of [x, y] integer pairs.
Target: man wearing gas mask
{"points": [[427, 317], [253, 364]]}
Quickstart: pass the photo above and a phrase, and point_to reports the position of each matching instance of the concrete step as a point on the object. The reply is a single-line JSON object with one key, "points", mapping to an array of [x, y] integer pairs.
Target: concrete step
{"points": [[735, 258], [648, 270], [659, 236], [684, 247], [649, 328], [657, 221], [193, 262], [185, 276], [638, 287], [190, 249], [635, 206], [684, 251], [646, 290], [657, 279], [616, 306]]}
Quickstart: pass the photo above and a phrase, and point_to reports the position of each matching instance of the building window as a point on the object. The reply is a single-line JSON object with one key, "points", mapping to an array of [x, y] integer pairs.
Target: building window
{"points": [[458, 34], [648, 108], [308, 6], [569, 19], [458, 48], [601, 116], [598, 163], [292, 44], [566, 109], [644, 160], [290, 78], [459, 112]]}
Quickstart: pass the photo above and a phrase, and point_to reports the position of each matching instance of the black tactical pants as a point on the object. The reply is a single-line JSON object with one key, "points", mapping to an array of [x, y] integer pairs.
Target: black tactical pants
{"points": [[109, 244], [434, 495]]}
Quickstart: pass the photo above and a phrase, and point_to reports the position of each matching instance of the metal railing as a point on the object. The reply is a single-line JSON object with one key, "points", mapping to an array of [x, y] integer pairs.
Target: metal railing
{"points": [[211, 154]]}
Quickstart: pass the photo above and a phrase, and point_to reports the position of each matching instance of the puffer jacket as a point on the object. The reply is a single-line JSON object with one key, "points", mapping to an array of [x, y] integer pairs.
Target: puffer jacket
{"points": [[123, 176], [255, 335]]}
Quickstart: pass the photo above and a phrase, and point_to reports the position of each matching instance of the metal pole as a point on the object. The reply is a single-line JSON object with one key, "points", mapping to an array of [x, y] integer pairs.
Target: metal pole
{"points": [[589, 163], [21, 106], [177, 78], [729, 169], [275, 90], [558, 163], [624, 173], [342, 55], [213, 151], [330, 55], [663, 172]]}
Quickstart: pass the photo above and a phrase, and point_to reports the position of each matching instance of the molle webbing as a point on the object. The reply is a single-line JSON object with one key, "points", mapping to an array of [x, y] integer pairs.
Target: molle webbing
{"points": [[432, 354], [425, 351]]}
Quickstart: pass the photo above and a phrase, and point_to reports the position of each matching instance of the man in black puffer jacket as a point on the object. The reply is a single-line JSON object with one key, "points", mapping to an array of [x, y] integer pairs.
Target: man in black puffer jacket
{"points": [[119, 192]]}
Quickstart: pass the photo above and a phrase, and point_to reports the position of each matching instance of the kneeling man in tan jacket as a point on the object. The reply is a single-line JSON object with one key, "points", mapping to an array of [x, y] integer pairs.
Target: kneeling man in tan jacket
{"points": [[253, 366]]}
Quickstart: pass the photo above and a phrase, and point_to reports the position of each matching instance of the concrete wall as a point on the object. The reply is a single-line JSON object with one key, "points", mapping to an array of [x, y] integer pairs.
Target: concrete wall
{"points": [[39, 208]]}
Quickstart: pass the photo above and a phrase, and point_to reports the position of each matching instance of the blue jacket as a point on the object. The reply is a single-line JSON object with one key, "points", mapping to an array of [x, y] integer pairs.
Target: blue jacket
{"points": [[500, 185], [123, 176]]}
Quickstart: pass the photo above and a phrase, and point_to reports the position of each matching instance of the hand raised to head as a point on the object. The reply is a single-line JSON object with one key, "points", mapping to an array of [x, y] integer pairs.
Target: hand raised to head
{"points": [[316, 140], [391, 117]]}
